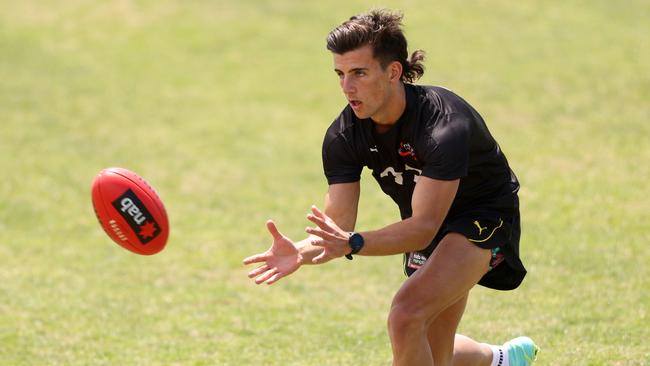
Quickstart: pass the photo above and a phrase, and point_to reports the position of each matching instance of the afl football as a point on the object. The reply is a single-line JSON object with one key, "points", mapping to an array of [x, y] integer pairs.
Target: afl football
{"points": [[130, 211]]}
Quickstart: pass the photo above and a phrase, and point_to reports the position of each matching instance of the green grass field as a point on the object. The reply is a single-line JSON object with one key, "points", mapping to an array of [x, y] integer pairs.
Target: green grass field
{"points": [[222, 106]]}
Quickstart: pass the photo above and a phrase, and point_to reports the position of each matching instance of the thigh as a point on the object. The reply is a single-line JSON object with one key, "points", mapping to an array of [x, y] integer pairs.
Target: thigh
{"points": [[486, 229], [453, 268]]}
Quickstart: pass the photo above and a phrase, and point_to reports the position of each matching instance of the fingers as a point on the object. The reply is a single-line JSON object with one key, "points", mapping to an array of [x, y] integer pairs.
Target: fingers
{"points": [[270, 225], [321, 215], [267, 275], [274, 278], [257, 271], [256, 258], [322, 258], [320, 233], [319, 222], [318, 212]]}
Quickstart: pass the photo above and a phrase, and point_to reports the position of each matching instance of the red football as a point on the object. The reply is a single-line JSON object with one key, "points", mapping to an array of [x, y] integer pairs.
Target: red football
{"points": [[130, 211]]}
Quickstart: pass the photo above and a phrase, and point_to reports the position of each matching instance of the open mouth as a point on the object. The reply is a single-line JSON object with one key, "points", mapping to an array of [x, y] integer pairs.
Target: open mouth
{"points": [[355, 104]]}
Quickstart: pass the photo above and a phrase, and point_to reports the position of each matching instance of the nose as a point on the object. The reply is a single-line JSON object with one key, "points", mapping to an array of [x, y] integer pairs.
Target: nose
{"points": [[347, 85]]}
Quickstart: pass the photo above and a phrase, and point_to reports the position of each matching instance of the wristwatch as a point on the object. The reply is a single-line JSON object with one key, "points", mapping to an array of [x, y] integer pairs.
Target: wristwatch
{"points": [[356, 243]]}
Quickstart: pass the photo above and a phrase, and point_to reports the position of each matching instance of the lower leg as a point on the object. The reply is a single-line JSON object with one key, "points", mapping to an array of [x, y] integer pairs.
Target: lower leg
{"points": [[408, 340], [470, 352], [449, 348]]}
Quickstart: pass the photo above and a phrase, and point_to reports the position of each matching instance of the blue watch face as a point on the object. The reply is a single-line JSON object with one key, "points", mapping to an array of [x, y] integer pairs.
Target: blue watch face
{"points": [[356, 242]]}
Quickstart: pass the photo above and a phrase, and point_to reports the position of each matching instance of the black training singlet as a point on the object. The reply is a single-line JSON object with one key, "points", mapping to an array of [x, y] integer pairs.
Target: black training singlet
{"points": [[439, 136]]}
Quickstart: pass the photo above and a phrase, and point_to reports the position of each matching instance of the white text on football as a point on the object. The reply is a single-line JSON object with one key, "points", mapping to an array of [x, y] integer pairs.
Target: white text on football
{"points": [[117, 230], [134, 211]]}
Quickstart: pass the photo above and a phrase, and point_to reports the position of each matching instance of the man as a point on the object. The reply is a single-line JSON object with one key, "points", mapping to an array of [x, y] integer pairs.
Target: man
{"points": [[432, 153]]}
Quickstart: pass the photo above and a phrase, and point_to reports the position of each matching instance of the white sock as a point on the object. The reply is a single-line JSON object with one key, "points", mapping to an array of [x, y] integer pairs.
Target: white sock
{"points": [[499, 356]]}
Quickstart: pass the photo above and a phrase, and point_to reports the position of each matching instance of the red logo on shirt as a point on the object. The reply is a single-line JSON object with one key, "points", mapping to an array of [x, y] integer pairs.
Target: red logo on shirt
{"points": [[405, 149]]}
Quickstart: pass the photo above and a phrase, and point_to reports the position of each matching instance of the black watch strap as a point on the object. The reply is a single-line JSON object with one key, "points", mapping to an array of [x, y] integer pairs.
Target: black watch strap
{"points": [[356, 243]]}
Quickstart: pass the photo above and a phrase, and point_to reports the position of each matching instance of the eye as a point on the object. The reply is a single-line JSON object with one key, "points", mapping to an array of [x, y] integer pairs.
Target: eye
{"points": [[360, 73]]}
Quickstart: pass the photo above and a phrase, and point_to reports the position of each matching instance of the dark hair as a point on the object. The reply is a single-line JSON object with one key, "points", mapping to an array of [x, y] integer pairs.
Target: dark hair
{"points": [[381, 29]]}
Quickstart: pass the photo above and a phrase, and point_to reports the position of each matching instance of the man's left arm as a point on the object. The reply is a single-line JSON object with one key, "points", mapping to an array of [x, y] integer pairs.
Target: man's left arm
{"points": [[431, 201]]}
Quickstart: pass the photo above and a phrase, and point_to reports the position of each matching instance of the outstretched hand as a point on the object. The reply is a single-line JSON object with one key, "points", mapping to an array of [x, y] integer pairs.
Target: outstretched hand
{"points": [[333, 239], [282, 259]]}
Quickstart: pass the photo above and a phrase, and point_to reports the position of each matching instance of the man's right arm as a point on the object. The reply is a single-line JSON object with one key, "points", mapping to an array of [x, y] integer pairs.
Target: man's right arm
{"points": [[341, 205]]}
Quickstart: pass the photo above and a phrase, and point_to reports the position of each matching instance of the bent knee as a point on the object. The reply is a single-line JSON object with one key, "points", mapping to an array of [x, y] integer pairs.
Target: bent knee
{"points": [[409, 310], [408, 313]]}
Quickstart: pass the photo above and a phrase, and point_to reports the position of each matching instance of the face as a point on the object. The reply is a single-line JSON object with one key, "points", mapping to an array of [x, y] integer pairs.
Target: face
{"points": [[368, 87]]}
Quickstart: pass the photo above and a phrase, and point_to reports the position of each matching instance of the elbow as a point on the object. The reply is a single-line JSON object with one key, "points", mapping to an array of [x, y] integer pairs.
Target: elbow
{"points": [[426, 230]]}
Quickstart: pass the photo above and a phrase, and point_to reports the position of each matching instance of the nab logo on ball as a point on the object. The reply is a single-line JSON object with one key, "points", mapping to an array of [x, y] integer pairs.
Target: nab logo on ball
{"points": [[130, 211], [137, 216]]}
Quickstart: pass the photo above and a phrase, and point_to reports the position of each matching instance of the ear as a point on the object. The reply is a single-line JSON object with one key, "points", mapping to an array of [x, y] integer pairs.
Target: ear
{"points": [[395, 69]]}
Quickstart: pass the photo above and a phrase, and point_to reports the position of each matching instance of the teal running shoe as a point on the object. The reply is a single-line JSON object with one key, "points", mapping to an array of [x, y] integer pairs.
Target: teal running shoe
{"points": [[522, 351]]}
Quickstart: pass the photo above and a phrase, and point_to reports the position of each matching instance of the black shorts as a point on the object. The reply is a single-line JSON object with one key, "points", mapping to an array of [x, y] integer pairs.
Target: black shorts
{"points": [[488, 230]]}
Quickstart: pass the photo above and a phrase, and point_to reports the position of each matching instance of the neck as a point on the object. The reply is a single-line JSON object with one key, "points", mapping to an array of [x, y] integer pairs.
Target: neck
{"points": [[395, 106]]}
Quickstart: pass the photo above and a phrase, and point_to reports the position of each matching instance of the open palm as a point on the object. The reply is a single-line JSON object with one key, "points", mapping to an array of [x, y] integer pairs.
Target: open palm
{"points": [[282, 259]]}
